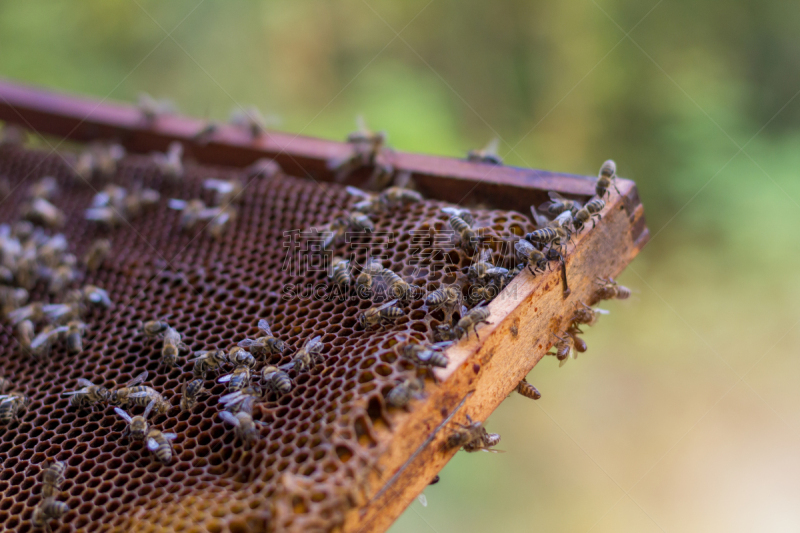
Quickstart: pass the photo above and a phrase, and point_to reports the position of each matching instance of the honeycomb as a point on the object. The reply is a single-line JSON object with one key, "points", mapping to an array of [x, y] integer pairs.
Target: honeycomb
{"points": [[319, 443]]}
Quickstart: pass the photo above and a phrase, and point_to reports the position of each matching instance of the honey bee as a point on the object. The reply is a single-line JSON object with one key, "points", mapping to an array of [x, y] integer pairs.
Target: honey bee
{"points": [[369, 203], [264, 345], [97, 254], [219, 219], [587, 315], [154, 328], [12, 298], [137, 425], [41, 212], [96, 296], [64, 312], [558, 204], [204, 134], [52, 478], [4, 384], [276, 380], [589, 212], [366, 147], [241, 400], [263, 168], [610, 289], [238, 379], [250, 120], [238, 356], [309, 355], [401, 394], [380, 315], [486, 155], [108, 217], [225, 191], [75, 331], [446, 297], [11, 405], [160, 444], [172, 347], [60, 278], [49, 509], [121, 395], [528, 390], [461, 222], [528, 254], [139, 200], [472, 319], [34, 312], [208, 361], [143, 395], [192, 211], [46, 188], [579, 343], [398, 196], [25, 333], [152, 108], [397, 286], [190, 392], [556, 233], [472, 437], [482, 268], [485, 293], [245, 427], [565, 349], [425, 356], [445, 333], [170, 164], [341, 274], [89, 395], [365, 279], [607, 177], [43, 342]]}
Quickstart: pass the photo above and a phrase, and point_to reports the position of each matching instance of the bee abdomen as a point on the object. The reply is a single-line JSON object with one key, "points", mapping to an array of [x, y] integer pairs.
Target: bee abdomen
{"points": [[528, 390], [595, 206], [458, 224], [544, 235]]}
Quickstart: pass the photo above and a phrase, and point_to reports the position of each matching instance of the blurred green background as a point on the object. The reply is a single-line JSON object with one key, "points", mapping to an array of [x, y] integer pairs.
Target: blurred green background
{"points": [[684, 413]]}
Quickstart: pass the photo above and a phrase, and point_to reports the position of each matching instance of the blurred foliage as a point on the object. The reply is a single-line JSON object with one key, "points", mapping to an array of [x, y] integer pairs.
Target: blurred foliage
{"points": [[697, 104]]}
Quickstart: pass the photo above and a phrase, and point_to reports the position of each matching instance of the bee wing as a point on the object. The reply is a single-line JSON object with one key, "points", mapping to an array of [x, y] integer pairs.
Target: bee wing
{"points": [[492, 450], [312, 343], [152, 444], [224, 379], [247, 404], [85, 382], [246, 343], [441, 345], [540, 220], [263, 325], [125, 416], [229, 418], [361, 124], [151, 405], [602, 311], [177, 204], [386, 304], [217, 185], [422, 500], [141, 378], [230, 398], [169, 436], [141, 394], [497, 271], [200, 355], [486, 255], [74, 392], [492, 146], [353, 191], [556, 197], [287, 366]]}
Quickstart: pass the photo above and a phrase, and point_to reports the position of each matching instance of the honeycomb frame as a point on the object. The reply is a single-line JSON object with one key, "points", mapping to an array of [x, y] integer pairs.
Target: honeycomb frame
{"points": [[329, 456]]}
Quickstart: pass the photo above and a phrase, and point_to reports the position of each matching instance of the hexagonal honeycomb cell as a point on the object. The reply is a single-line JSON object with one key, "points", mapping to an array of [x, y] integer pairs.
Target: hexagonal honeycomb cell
{"points": [[319, 442]]}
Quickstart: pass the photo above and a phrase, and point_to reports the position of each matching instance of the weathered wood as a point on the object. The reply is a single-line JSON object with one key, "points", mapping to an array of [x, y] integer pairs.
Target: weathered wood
{"points": [[481, 373]]}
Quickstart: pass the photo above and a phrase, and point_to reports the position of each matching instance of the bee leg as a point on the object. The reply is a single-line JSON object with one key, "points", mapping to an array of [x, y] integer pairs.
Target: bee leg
{"points": [[614, 182], [475, 329]]}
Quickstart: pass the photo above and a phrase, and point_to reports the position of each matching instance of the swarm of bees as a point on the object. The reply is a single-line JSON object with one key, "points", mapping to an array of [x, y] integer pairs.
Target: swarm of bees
{"points": [[115, 205]]}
